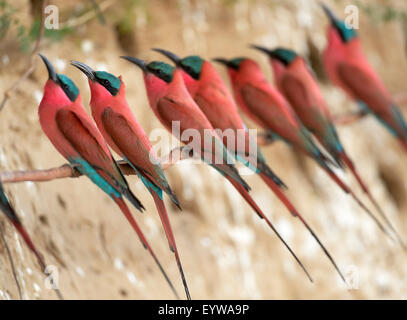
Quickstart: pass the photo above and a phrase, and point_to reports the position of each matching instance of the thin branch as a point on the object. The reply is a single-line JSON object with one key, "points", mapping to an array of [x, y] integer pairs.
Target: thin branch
{"points": [[89, 15], [349, 118], [69, 171], [99, 12], [64, 171], [30, 61]]}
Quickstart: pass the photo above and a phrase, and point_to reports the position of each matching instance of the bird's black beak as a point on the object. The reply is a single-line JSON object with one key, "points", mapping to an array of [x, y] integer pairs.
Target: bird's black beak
{"points": [[140, 63], [88, 71], [262, 49], [51, 71], [271, 53], [328, 12], [169, 55], [223, 61]]}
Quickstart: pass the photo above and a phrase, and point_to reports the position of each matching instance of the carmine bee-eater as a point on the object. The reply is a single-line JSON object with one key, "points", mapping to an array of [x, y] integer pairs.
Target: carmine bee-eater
{"points": [[73, 133], [268, 108], [348, 68], [210, 93], [171, 102], [125, 135], [295, 81], [11, 215]]}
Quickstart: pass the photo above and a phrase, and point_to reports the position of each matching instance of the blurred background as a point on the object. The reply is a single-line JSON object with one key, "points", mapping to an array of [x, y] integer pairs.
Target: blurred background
{"points": [[227, 251]]}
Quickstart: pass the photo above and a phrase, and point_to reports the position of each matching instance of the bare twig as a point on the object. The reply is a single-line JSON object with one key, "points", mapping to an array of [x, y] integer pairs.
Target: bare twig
{"points": [[89, 15], [30, 61], [99, 12], [349, 118], [69, 171], [64, 171]]}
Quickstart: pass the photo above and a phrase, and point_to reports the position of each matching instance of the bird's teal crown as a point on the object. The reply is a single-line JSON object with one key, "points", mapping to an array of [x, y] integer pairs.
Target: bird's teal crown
{"points": [[162, 70], [286, 56], [192, 65], [109, 81], [70, 89], [346, 33]]}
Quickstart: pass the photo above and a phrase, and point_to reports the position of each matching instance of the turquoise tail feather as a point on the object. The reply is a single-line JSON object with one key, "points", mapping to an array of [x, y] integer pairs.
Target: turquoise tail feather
{"points": [[86, 169]]}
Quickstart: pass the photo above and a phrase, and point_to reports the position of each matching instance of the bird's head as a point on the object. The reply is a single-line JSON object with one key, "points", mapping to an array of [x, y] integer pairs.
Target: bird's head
{"points": [[280, 58], [241, 69], [338, 27], [158, 76], [233, 66], [156, 69], [59, 88], [102, 84], [192, 65], [282, 55]]}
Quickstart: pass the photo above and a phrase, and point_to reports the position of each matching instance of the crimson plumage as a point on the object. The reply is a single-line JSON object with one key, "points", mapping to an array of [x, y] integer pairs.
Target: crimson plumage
{"points": [[125, 135], [73, 133], [295, 81], [170, 101], [348, 68]]}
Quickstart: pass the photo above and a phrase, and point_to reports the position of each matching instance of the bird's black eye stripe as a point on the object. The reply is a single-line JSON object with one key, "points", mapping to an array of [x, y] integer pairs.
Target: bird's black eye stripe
{"points": [[106, 83], [103, 82], [189, 70]]}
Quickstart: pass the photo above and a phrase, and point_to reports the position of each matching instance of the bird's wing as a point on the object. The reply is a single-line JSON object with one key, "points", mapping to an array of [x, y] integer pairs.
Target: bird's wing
{"points": [[295, 91], [212, 149], [78, 132], [306, 105], [210, 142], [239, 141], [363, 87], [281, 120], [220, 111], [127, 140], [366, 89], [310, 113], [171, 110]]}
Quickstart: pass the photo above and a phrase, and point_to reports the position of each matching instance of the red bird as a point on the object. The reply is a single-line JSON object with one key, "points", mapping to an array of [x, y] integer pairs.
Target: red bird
{"points": [[125, 136], [348, 68], [12, 216], [72, 132], [267, 107], [297, 84], [171, 103], [210, 93]]}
